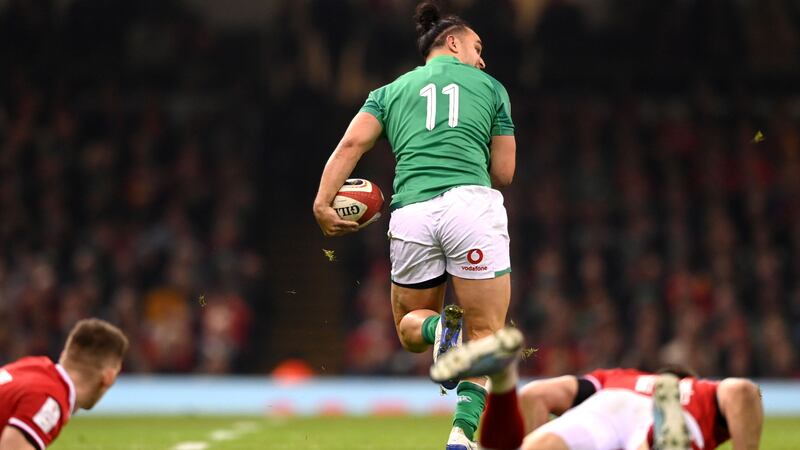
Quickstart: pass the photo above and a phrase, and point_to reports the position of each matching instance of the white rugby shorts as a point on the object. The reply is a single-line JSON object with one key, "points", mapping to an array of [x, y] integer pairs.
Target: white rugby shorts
{"points": [[463, 232], [609, 419]]}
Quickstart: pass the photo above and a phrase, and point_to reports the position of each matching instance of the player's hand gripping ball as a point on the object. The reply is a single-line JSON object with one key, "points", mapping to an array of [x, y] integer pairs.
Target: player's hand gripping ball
{"points": [[359, 200]]}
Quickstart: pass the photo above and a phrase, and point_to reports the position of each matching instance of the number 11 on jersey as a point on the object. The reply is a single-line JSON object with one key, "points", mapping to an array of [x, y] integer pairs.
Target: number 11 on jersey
{"points": [[429, 92]]}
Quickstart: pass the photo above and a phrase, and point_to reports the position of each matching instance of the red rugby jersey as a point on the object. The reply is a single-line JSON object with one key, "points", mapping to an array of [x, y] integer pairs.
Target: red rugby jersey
{"points": [[698, 397], [37, 397]]}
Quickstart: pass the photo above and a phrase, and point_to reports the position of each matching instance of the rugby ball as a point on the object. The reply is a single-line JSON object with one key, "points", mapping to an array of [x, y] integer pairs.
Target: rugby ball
{"points": [[359, 200]]}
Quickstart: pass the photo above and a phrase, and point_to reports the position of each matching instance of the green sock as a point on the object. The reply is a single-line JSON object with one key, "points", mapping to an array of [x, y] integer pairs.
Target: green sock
{"points": [[429, 329], [471, 401]]}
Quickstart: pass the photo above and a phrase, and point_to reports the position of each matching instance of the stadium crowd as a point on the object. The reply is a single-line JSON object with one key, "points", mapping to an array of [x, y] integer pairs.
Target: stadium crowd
{"points": [[654, 217], [117, 198]]}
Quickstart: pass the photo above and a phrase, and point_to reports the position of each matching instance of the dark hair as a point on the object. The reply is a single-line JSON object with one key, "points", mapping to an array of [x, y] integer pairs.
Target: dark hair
{"points": [[95, 343], [431, 26]]}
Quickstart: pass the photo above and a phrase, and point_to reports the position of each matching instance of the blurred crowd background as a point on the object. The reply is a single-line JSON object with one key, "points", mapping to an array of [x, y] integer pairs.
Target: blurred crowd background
{"points": [[159, 158]]}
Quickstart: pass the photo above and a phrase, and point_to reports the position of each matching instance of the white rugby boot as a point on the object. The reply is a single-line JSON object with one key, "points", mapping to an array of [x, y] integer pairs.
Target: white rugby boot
{"points": [[485, 356], [669, 427], [459, 441]]}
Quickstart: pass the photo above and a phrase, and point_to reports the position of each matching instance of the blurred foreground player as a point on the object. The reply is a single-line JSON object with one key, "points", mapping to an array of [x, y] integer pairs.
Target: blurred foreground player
{"points": [[450, 128], [37, 396], [607, 409]]}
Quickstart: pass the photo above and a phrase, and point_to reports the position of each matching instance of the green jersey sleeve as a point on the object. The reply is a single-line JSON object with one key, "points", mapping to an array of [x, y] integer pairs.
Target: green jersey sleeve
{"points": [[502, 125], [376, 105]]}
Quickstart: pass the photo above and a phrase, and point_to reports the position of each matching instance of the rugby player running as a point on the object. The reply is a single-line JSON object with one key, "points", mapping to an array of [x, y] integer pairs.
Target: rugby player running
{"points": [[449, 125]]}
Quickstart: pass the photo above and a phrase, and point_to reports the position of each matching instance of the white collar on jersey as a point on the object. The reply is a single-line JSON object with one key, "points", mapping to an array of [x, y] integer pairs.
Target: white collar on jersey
{"points": [[70, 384]]}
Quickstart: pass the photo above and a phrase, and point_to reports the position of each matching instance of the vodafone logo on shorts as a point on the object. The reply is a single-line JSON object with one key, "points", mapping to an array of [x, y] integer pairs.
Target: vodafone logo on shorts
{"points": [[475, 256]]}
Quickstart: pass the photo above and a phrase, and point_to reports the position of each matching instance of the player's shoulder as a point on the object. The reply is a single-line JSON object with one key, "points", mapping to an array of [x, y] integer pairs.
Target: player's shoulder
{"points": [[37, 373], [703, 384], [31, 364], [484, 78], [379, 93], [618, 371], [495, 82], [614, 376], [390, 90], [468, 73]]}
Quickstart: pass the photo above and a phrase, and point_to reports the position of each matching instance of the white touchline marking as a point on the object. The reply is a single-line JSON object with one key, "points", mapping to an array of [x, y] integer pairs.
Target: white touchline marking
{"points": [[239, 428], [224, 435], [245, 426], [191, 446]]}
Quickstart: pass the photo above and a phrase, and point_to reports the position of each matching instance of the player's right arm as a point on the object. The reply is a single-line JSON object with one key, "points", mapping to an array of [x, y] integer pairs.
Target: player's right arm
{"points": [[13, 439], [541, 398], [739, 402], [359, 138]]}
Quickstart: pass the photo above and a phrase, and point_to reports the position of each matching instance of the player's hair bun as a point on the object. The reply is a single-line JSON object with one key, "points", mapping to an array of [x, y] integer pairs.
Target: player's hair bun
{"points": [[426, 17], [431, 25]]}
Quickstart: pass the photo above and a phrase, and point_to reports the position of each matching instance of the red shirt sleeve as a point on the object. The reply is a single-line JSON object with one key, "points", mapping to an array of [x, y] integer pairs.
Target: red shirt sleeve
{"points": [[38, 416], [597, 377]]}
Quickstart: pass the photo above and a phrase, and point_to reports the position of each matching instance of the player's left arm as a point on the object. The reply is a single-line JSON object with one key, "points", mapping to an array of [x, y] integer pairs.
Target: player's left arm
{"points": [[503, 147], [740, 403], [13, 439], [359, 138], [503, 160]]}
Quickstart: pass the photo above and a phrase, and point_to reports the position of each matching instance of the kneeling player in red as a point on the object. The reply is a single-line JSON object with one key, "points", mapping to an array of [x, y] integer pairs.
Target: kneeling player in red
{"points": [[37, 396], [714, 411], [605, 410]]}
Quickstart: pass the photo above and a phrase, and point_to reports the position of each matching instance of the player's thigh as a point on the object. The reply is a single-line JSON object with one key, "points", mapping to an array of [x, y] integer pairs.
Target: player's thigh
{"points": [[406, 300], [485, 303], [474, 237], [419, 280], [544, 441]]}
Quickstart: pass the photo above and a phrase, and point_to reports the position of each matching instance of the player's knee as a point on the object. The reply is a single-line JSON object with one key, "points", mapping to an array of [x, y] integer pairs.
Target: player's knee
{"points": [[410, 338], [409, 343], [413, 347], [530, 394], [740, 389], [533, 404]]}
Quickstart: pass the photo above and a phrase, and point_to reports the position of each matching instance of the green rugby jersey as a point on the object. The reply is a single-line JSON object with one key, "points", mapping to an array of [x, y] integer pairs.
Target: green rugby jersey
{"points": [[440, 119]]}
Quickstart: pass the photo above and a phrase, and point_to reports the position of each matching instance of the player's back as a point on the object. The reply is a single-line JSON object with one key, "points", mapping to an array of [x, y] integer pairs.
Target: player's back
{"points": [[439, 119], [698, 398], [37, 397]]}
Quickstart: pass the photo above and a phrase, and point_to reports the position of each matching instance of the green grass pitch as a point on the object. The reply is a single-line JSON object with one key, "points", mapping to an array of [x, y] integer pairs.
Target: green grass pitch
{"points": [[345, 433]]}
